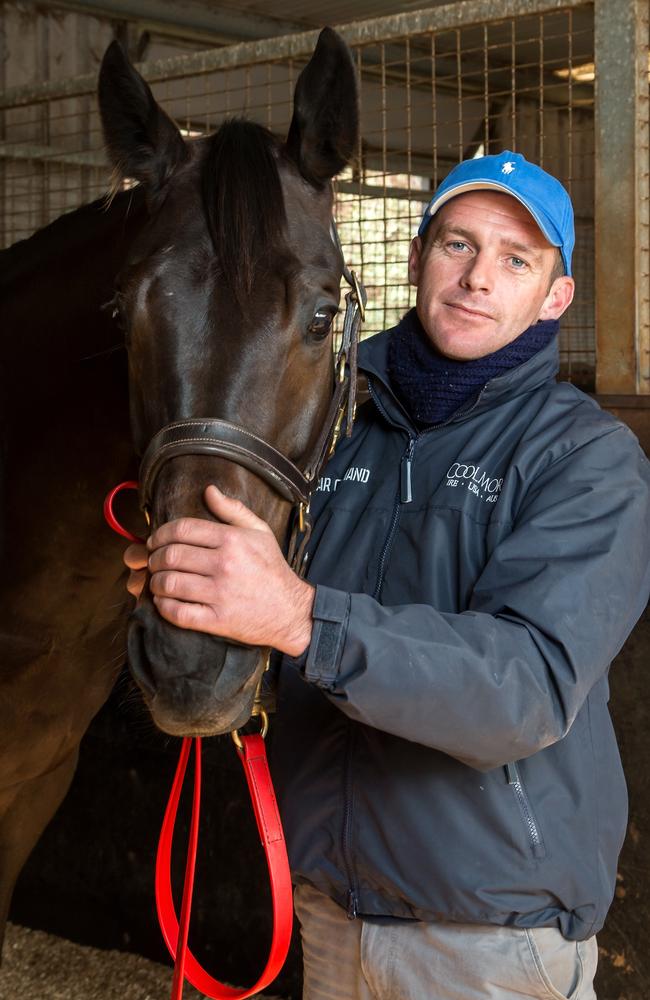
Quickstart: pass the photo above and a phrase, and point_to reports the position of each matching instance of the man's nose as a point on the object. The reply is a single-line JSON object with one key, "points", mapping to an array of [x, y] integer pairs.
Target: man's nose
{"points": [[479, 274]]}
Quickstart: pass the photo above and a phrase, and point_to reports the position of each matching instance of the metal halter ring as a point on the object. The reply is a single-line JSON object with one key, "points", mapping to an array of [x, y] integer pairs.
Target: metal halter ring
{"points": [[263, 716]]}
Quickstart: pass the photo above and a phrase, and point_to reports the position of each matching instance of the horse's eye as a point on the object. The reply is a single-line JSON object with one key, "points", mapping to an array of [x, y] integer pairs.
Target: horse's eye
{"points": [[321, 322]]}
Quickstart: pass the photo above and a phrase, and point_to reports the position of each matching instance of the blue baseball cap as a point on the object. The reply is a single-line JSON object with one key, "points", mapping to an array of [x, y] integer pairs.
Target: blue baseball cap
{"points": [[545, 198]]}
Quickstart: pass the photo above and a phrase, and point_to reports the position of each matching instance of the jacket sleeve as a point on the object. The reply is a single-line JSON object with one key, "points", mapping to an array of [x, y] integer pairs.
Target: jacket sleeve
{"points": [[552, 607]]}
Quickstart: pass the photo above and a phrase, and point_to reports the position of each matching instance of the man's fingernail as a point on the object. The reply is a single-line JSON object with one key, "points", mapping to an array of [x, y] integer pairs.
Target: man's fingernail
{"points": [[149, 543]]}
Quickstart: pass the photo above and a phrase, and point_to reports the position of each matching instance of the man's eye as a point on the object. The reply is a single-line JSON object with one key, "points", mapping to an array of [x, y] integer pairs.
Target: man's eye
{"points": [[457, 245], [517, 263], [321, 322]]}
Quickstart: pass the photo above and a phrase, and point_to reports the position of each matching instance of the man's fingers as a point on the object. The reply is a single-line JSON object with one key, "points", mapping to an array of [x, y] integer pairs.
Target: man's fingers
{"points": [[183, 587], [136, 582], [232, 511], [208, 534], [194, 616], [184, 558], [135, 557], [187, 531]]}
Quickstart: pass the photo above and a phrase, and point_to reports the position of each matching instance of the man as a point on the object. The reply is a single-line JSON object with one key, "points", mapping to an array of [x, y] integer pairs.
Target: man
{"points": [[447, 768]]}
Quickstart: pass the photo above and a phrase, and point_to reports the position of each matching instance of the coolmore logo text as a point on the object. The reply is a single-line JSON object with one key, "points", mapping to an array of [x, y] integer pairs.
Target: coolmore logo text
{"points": [[474, 479]]}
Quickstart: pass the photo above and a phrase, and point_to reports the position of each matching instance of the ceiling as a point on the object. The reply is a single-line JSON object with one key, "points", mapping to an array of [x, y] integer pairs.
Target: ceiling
{"points": [[231, 21]]}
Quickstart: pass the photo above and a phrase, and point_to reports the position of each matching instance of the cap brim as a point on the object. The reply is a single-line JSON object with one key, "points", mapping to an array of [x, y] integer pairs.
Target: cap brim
{"points": [[479, 185]]}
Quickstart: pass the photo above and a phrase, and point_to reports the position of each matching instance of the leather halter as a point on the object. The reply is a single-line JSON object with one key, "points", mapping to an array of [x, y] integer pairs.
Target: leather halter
{"points": [[210, 436]]}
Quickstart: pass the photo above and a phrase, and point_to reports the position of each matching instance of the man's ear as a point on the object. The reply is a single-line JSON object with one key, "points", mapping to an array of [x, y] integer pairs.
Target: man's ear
{"points": [[415, 261], [559, 298]]}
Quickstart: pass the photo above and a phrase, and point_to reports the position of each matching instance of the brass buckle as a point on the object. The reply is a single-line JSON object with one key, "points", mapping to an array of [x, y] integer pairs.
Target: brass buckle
{"points": [[336, 433], [303, 511], [357, 292]]}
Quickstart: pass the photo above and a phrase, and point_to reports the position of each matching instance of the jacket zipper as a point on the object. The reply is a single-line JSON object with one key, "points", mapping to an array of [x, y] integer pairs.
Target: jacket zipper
{"points": [[535, 838], [406, 465], [405, 487], [352, 897], [404, 494]]}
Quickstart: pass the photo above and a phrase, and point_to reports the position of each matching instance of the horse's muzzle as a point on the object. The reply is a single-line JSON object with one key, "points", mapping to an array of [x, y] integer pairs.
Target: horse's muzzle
{"points": [[193, 684]]}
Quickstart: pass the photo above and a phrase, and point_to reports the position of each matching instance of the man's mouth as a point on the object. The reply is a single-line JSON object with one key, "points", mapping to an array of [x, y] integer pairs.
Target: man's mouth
{"points": [[468, 311]]}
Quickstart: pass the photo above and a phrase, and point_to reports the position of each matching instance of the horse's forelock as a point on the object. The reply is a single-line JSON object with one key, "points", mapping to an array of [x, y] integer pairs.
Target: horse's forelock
{"points": [[243, 200]]}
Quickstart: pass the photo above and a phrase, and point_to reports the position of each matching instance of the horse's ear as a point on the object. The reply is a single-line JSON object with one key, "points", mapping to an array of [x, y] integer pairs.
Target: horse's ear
{"points": [[323, 131], [141, 140]]}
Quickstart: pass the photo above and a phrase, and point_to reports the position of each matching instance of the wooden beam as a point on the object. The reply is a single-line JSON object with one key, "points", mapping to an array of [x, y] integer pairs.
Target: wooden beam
{"points": [[621, 215]]}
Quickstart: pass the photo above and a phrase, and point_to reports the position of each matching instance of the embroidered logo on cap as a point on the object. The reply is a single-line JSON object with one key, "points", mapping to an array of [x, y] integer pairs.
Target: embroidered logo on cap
{"points": [[507, 167]]}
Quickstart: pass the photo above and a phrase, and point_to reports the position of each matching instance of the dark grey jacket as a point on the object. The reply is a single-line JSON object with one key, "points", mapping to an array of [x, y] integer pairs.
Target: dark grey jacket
{"points": [[447, 753]]}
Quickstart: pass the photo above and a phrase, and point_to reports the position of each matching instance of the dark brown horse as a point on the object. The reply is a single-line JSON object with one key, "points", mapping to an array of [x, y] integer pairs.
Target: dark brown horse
{"points": [[224, 277]]}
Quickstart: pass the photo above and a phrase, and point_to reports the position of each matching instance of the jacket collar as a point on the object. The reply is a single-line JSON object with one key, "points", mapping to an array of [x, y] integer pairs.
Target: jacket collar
{"points": [[536, 371]]}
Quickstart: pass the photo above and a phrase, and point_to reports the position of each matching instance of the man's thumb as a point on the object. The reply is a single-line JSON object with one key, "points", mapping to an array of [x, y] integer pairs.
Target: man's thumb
{"points": [[232, 511]]}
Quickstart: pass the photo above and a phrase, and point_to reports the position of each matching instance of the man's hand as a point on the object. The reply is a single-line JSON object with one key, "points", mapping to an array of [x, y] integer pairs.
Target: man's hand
{"points": [[228, 578]]}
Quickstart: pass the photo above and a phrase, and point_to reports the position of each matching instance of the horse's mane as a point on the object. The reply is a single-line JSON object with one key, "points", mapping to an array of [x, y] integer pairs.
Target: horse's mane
{"points": [[68, 232], [243, 200]]}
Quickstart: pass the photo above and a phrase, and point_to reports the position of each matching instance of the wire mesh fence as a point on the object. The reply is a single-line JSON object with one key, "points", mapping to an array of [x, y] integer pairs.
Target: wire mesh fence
{"points": [[428, 98]]}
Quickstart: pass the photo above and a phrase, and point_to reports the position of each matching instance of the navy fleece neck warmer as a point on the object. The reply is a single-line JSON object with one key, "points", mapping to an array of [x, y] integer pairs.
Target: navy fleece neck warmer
{"points": [[432, 387]]}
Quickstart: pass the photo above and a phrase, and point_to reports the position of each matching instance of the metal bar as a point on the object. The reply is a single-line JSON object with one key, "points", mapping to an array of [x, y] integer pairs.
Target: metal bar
{"points": [[513, 87], [624, 402], [207, 22], [434, 118], [459, 97], [621, 203], [420, 162], [4, 182], [49, 154], [540, 127], [383, 29], [486, 92]]}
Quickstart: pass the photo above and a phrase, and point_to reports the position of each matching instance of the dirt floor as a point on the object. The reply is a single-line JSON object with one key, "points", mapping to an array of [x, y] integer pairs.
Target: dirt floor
{"points": [[38, 966]]}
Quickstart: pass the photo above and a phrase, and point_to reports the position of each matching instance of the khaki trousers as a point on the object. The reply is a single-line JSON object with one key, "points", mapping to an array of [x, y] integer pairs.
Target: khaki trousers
{"points": [[358, 960]]}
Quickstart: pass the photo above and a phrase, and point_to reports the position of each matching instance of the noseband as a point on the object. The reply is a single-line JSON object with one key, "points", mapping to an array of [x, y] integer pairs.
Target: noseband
{"points": [[210, 436]]}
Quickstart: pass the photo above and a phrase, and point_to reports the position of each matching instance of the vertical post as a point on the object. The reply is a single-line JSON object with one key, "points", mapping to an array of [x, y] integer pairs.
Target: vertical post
{"points": [[622, 235], [4, 200]]}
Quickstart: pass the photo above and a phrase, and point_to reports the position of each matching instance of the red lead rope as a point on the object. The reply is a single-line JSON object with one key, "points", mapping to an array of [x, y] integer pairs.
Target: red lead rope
{"points": [[260, 786], [253, 758]]}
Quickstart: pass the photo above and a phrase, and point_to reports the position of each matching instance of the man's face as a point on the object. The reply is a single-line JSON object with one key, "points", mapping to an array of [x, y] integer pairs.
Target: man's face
{"points": [[483, 275]]}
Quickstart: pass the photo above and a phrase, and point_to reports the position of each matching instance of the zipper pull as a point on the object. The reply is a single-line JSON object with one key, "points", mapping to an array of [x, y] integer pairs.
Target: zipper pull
{"points": [[512, 774], [352, 905], [406, 491]]}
